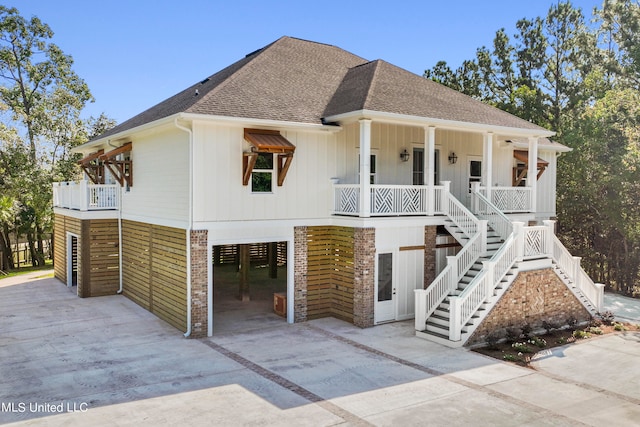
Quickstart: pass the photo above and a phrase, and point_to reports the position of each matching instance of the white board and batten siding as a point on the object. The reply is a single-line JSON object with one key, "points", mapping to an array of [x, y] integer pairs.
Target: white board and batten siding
{"points": [[546, 200], [220, 196], [406, 244], [160, 191]]}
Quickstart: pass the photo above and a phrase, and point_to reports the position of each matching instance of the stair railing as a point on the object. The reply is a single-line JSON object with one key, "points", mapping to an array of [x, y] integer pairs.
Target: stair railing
{"points": [[570, 265], [481, 288], [427, 300], [484, 209]]}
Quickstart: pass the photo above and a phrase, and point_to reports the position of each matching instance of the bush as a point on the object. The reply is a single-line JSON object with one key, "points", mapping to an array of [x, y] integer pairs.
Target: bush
{"points": [[526, 330], [595, 330], [513, 334], [608, 318], [521, 347], [538, 342], [619, 327], [579, 334], [493, 339], [550, 326]]}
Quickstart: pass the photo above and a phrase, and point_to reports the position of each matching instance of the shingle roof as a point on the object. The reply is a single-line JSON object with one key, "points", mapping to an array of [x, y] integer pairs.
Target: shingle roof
{"points": [[384, 87], [302, 81]]}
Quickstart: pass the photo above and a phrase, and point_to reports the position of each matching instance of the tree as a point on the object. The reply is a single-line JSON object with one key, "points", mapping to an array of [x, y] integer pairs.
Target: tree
{"points": [[44, 97], [584, 83], [37, 75]]}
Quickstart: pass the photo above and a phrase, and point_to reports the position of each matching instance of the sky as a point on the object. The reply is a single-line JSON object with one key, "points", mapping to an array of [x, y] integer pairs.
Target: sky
{"points": [[136, 53]]}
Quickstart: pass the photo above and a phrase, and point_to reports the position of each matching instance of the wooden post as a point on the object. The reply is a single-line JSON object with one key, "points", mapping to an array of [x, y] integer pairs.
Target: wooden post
{"points": [[245, 265], [272, 254]]}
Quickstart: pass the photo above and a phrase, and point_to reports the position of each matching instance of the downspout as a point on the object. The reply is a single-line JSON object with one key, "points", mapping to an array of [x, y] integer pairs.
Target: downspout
{"points": [[190, 225], [119, 232]]}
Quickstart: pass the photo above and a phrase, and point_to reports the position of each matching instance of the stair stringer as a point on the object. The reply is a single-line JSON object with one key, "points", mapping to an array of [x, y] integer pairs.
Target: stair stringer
{"points": [[564, 278]]}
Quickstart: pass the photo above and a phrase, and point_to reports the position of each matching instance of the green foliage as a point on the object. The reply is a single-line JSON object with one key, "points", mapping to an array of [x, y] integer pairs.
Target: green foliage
{"points": [[582, 81], [579, 334], [43, 97]]}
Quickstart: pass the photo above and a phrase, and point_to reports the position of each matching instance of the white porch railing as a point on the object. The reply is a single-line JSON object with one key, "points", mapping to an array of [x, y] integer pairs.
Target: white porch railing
{"points": [[570, 265], [389, 200], [83, 196], [489, 212], [521, 243], [510, 199]]}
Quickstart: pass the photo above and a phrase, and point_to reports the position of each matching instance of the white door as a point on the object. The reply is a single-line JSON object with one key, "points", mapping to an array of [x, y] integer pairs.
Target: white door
{"points": [[474, 174], [410, 277], [385, 308]]}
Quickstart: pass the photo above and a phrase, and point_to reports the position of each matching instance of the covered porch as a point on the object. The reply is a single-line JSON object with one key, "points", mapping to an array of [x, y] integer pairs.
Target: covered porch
{"points": [[404, 170]]}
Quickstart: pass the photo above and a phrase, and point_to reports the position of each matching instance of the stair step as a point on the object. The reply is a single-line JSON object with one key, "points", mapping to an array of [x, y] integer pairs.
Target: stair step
{"points": [[438, 329]]}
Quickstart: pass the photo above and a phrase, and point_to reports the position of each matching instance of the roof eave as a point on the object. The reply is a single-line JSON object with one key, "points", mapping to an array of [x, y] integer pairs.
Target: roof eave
{"points": [[546, 147], [439, 123], [238, 121], [93, 144], [267, 123]]}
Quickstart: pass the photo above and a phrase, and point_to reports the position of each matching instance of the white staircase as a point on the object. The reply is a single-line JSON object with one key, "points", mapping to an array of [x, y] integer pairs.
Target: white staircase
{"points": [[494, 250]]}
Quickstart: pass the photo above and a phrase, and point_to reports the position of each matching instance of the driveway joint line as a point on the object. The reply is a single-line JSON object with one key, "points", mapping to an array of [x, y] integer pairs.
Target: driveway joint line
{"points": [[289, 385], [449, 377]]}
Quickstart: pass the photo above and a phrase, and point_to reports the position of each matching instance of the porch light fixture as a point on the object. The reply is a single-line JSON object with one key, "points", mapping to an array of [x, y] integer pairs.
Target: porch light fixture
{"points": [[453, 158], [404, 155]]}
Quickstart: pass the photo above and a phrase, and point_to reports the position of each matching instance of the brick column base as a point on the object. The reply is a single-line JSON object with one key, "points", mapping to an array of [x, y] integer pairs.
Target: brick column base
{"points": [[299, 274], [430, 233], [199, 282], [364, 251]]}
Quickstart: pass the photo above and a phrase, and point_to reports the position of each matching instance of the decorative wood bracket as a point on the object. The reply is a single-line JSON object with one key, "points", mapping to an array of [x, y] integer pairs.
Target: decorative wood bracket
{"points": [[122, 170], [267, 141], [248, 162], [94, 170], [519, 174]]}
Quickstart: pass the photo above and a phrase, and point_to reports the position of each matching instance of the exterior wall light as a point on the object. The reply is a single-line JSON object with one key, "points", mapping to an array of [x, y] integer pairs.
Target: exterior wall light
{"points": [[404, 155], [453, 158]]}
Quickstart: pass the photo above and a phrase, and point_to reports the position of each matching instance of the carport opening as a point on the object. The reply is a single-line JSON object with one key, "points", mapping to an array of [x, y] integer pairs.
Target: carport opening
{"points": [[249, 286]]}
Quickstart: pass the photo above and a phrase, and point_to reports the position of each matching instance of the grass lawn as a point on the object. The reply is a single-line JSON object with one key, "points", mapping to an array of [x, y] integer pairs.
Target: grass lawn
{"points": [[24, 270]]}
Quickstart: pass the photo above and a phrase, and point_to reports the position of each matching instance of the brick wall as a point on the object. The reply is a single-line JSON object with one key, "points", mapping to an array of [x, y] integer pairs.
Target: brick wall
{"points": [[300, 274], [364, 280], [199, 280], [533, 297], [430, 233]]}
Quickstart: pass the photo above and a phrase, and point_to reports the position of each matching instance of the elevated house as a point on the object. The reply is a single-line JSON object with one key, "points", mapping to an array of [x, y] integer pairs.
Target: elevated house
{"points": [[358, 168]]}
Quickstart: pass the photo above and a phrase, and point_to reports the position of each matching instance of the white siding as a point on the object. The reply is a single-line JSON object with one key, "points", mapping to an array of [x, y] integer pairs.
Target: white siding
{"points": [[546, 200], [466, 146], [160, 178], [220, 196]]}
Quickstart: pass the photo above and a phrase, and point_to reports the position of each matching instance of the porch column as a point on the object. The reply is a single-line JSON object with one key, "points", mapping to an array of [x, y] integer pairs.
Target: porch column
{"points": [[365, 167], [430, 166], [487, 164], [532, 171]]}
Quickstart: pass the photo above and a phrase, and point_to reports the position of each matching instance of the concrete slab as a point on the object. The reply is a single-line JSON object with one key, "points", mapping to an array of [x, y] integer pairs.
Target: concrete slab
{"points": [[108, 361], [625, 308]]}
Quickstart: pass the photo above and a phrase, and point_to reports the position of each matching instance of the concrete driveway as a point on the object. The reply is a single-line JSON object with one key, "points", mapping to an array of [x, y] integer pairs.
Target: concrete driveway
{"points": [[106, 361]]}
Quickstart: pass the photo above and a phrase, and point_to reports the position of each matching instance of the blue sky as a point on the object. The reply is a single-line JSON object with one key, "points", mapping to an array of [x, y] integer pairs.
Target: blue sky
{"points": [[135, 53]]}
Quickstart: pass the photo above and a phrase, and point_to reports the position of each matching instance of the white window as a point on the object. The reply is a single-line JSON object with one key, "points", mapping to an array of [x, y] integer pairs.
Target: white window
{"points": [[262, 174]]}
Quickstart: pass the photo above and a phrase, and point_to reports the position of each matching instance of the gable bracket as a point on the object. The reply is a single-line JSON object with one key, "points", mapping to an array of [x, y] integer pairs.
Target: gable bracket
{"points": [[122, 170]]}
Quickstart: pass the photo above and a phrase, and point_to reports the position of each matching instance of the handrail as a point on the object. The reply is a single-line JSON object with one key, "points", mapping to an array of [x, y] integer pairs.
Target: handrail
{"points": [[430, 298], [427, 300], [497, 220], [461, 216], [83, 196], [570, 265], [465, 305]]}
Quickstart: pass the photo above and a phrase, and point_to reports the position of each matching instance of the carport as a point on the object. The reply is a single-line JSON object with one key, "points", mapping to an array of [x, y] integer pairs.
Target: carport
{"points": [[249, 286]]}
